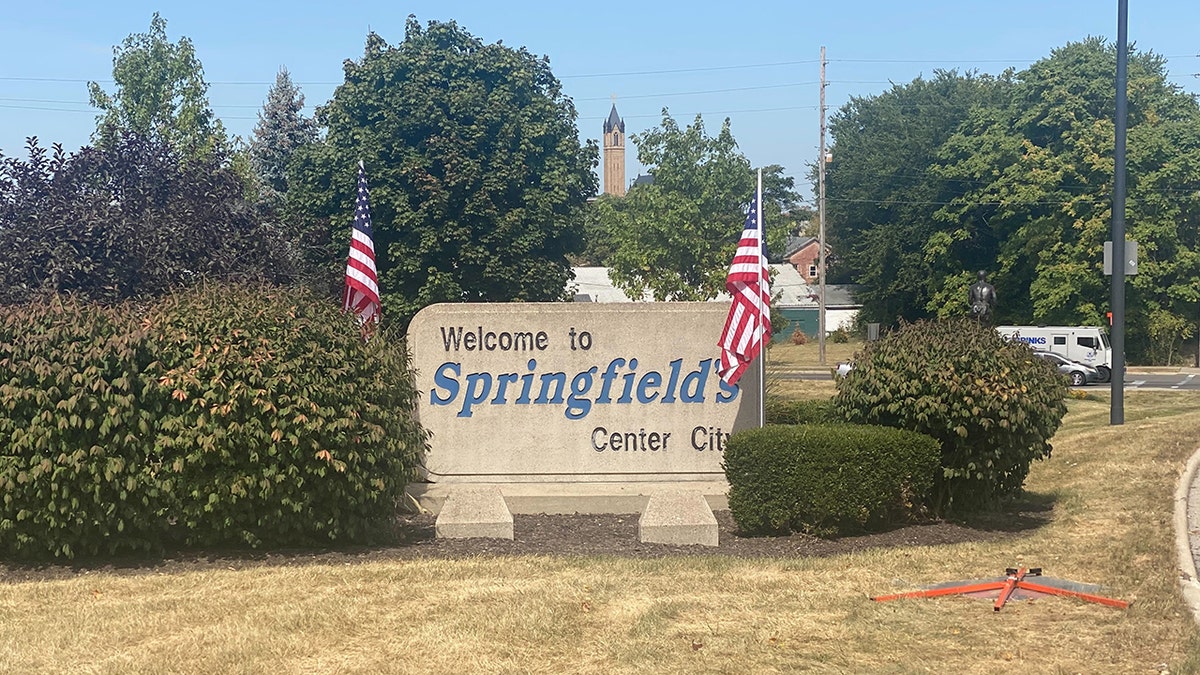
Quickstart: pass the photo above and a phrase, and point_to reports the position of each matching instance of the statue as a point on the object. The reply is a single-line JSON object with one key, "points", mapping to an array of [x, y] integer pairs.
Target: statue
{"points": [[982, 299]]}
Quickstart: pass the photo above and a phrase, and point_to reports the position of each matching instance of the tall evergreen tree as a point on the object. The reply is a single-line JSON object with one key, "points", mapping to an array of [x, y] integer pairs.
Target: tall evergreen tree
{"points": [[281, 129]]}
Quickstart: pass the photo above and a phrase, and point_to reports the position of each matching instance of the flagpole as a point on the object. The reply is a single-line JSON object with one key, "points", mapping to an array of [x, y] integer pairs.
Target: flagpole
{"points": [[762, 352]]}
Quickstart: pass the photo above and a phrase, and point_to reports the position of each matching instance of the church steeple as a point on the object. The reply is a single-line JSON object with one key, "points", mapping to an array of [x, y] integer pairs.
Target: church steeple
{"points": [[614, 154]]}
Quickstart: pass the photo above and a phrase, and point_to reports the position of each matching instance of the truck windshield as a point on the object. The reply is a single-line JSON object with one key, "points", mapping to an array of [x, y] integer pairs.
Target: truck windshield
{"points": [[1104, 339]]}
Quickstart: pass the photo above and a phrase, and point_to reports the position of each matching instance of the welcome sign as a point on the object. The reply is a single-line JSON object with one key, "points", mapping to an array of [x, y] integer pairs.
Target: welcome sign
{"points": [[576, 391]]}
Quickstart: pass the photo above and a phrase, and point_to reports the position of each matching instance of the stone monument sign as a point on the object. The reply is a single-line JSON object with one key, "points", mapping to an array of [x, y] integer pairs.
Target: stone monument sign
{"points": [[576, 392]]}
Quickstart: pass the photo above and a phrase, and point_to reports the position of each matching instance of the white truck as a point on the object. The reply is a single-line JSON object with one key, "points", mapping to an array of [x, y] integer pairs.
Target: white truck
{"points": [[1085, 344]]}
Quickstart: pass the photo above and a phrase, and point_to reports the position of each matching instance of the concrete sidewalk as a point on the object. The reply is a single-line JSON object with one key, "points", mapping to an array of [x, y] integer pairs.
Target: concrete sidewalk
{"points": [[1187, 533]]}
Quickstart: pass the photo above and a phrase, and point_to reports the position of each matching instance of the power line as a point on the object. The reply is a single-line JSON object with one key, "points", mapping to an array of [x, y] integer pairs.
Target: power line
{"points": [[707, 91]]}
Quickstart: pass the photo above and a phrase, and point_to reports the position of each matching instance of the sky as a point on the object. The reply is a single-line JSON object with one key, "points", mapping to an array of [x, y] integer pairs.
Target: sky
{"points": [[757, 64]]}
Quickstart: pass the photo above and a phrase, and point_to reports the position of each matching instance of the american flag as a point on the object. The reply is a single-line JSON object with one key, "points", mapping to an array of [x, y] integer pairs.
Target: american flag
{"points": [[362, 284], [750, 315]]}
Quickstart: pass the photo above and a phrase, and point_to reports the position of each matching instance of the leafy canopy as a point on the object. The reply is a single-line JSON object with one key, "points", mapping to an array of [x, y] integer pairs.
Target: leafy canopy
{"points": [[934, 180], [478, 179], [160, 95], [677, 235]]}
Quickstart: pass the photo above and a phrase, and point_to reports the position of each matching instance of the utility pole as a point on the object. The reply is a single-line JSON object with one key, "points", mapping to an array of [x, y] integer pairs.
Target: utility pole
{"points": [[1116, 413], [821, 222]]}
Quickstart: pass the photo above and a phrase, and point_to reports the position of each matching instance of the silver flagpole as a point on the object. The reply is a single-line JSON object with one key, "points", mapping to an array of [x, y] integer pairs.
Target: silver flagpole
{"points": [[762, 350]]}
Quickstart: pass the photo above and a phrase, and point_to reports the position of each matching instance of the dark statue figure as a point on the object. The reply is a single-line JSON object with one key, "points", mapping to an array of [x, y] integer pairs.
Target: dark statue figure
{"points": [[982, 298]]}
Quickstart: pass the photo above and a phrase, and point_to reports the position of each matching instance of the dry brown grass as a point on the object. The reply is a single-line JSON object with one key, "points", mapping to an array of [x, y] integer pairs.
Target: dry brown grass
{"points": [[1111, 489], [787, 356]]}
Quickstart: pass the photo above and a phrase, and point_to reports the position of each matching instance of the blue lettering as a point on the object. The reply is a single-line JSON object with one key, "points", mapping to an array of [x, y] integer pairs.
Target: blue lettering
{"points": [[676, 366], [728, 393], [627, 392], [692, 390], [475, 395], [559, 379], [450, 384], [651, 379], [577, 407]]}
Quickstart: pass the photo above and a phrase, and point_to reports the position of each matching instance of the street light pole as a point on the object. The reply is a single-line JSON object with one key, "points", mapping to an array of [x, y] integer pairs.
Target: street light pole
{"points": [[1117, 381]]}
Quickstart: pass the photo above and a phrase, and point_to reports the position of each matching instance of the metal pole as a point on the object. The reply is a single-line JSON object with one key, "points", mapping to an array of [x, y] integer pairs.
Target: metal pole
{"points": [[766, 337], [821, 223], [1117, 384]]}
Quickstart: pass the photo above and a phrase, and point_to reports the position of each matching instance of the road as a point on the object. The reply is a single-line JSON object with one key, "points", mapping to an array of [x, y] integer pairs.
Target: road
{"points": [[1133, 380]]}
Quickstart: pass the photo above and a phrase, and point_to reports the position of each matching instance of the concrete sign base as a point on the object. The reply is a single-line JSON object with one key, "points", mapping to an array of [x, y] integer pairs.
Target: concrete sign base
{"points": [[567, 498], [474, 511], [678, 517]]}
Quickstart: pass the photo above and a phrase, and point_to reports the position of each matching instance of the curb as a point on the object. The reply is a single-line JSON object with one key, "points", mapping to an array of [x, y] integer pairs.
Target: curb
{"points": [[1189, 584]]}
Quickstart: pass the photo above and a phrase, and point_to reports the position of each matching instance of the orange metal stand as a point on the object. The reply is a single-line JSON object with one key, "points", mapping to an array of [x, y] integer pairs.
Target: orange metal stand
{"points": [[1014, 580]]}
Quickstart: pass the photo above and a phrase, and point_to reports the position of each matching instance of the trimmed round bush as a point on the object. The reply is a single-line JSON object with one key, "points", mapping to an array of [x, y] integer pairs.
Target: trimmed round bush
{"points": [[808, 411], [826, 479], [991, 405], [226, 415], [278, 424]]}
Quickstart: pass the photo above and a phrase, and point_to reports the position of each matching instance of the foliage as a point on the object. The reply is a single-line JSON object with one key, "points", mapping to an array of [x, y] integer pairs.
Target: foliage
{"points": [[281, 426], [882, 193], [281, 129], [677, 235], [988, 401], [75, 469], [806, 411], [935, 180], [226, 415], [826, 479], [840, 336], [160, 95], [134, 218], [478, 180], [799, 337], [1039, 176]]}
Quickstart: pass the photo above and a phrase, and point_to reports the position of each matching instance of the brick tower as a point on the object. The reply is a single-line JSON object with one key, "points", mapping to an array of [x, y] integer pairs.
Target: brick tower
{"points": [[614, 154]]}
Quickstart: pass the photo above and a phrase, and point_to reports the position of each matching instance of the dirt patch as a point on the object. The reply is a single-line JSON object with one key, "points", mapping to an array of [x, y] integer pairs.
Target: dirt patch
{"points": [[557, 535]]}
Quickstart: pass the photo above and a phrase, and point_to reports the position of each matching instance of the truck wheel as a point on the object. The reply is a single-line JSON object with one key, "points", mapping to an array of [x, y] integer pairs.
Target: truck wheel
{"points": [[1077, 379], [1105, 373]]}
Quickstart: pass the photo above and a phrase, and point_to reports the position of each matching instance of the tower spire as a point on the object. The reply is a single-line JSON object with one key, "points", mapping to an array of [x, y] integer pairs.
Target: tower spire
{"points": [[614, 153]]}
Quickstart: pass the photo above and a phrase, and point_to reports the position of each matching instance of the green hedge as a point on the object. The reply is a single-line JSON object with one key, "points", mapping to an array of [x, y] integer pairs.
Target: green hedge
{"points": [[826, 479], [226, 415], [810, 411]]}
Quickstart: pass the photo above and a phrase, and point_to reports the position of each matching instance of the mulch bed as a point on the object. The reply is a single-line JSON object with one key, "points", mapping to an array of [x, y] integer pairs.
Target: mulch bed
{"points": [[558, 535]]}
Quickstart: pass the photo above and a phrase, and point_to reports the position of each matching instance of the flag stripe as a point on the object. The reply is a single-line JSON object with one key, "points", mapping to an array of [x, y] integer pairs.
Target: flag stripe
{"points": [[362, 285], [748, 284]]}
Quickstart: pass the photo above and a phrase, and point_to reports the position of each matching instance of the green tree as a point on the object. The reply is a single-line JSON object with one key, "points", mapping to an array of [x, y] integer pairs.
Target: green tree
{"points": [[882, 194], [281, 129], [677, 235], [160, 95], [1039, 177], [478, 179], [934, 180]]}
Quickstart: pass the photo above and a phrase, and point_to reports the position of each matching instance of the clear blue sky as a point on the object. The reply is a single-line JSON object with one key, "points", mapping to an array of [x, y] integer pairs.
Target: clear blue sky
{"points": [[756, 63]]}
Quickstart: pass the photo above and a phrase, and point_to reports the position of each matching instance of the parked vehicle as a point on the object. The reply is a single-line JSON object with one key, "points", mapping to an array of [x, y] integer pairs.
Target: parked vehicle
{"points": [[1084, 344], [1079, 373]]}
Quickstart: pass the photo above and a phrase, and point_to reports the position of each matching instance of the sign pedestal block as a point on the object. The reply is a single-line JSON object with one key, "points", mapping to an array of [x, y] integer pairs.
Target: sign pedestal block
{"points": [[475, 511], [678, 517]]}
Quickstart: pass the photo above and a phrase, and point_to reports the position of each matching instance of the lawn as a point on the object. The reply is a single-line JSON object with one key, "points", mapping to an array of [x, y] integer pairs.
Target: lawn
{"points": [[787, 356], [1109, 490]]}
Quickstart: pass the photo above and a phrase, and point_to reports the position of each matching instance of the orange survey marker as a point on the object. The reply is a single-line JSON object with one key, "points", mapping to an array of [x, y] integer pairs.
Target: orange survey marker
{"points": [[1014, 584]]}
